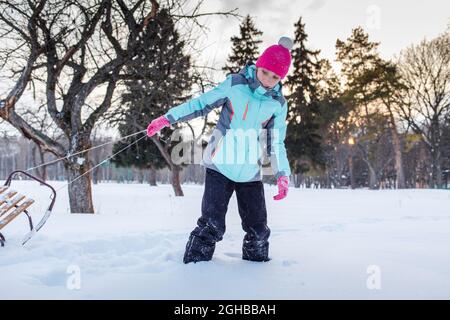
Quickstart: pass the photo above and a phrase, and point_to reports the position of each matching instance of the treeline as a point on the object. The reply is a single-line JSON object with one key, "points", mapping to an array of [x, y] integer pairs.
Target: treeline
{"points": [[17, 153], [375, 123], [370, 122]]}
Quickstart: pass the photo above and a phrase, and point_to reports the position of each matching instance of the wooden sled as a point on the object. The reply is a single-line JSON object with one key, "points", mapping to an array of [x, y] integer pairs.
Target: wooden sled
{"points": [[13, 203]]}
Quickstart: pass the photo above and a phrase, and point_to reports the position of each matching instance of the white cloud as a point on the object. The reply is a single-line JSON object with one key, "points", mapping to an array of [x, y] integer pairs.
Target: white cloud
{"points": [[402, 23]]}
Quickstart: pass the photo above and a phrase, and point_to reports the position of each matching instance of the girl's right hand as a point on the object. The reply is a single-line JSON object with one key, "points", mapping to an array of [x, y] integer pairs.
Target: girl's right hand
{"points": [[156, 125]]}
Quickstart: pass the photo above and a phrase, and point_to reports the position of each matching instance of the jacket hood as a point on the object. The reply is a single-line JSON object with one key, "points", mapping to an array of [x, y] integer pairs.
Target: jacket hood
{"points": [[249, 72]]}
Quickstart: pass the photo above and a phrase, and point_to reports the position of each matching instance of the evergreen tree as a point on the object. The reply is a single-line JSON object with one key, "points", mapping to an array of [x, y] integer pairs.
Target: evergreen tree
{"points": [[303, 142], [161, 76], [388, 92], [359, 59], [332, 126], [244, 47]]}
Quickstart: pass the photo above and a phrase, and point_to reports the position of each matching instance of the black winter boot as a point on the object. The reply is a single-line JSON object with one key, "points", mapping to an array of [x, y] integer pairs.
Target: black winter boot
{"points": [[256, 251], [198, 250]]}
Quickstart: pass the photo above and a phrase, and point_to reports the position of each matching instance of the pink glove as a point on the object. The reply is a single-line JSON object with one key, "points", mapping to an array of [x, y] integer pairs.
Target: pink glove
{"points": [[283, 186], [156, 125]]}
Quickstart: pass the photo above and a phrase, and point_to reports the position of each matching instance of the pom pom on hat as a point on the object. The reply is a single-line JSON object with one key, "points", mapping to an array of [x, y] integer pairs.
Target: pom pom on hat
{"points": [[277, 58], [286, 42]]}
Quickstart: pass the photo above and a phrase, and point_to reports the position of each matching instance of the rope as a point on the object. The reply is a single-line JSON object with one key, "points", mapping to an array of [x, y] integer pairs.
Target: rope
{"points": [[83, 151], [100, 163]]}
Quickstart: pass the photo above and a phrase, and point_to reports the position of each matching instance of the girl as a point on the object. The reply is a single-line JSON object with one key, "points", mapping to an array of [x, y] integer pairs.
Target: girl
{"points": [[251, 100]]}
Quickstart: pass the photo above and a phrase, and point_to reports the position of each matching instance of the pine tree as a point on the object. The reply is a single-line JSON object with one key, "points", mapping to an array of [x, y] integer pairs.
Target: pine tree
{"points": [[357, 56], [359, 59], [161, 77], [303, 142], [244, 47], [387, 83], [332, 126]]}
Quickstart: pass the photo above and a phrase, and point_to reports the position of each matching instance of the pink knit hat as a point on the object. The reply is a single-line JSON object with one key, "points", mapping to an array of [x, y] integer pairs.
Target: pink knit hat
{"points": [[277, 58]]}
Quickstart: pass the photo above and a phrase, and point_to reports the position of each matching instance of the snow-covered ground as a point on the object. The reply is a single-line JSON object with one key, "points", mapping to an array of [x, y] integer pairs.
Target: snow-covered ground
{"points": [[330, 244]]}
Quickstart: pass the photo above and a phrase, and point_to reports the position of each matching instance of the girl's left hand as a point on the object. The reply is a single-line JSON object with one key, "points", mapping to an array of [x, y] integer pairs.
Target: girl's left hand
{"points": [[283, 187]]}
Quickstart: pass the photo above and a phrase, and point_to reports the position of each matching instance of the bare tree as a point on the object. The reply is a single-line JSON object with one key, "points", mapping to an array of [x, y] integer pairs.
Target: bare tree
{"points": [[77, 51], [425, 69]]}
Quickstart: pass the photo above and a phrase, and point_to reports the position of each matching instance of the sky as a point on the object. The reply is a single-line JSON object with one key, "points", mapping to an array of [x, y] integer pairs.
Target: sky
{"points": [[396, 24]]}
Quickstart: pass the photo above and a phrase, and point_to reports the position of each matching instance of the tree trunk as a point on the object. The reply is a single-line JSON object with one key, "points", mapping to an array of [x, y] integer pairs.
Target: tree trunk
{"points": [[95, 174], [80, 190], [308, 182], [297, 176], [436, 153], [140, 175], [298, 180], [36, 150], [152, 177], [340, 165], [373, 181], [43, 171], [423, 174], [437, 168], [175, 180], [400, 181], [175, 169], [328, 179], [352, 176]]}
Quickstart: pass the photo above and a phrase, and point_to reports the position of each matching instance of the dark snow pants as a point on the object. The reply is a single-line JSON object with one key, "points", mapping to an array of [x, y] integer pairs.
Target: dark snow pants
{"points": [[211, 225]]}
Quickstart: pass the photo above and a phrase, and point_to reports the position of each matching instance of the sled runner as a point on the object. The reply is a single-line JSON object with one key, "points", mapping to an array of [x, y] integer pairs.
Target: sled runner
{"points": [[13, 203]]}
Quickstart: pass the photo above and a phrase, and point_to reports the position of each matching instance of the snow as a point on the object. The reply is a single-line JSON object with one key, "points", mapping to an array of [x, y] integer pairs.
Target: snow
{"points": [[326, 244]]}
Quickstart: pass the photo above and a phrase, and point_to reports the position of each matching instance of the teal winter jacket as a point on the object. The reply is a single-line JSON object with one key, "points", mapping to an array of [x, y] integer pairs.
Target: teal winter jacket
{"points": [[252, 123]]}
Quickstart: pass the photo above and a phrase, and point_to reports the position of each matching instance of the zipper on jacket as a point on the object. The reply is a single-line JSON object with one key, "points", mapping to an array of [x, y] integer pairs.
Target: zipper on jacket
{"points": [[256, 121], [245, 112]]}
